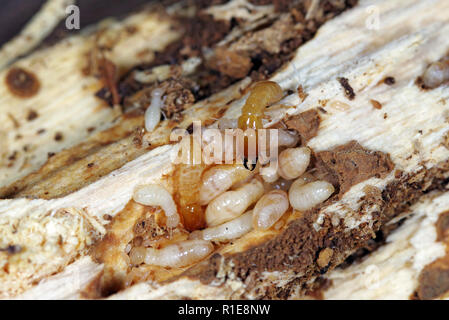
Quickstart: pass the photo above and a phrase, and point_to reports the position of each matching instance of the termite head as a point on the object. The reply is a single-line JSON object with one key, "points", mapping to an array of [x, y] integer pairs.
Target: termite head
{"points": [[250, 165], [263, 94]]}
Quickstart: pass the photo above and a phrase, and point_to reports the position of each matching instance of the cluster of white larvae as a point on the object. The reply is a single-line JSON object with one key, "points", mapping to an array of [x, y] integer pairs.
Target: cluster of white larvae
{"points": [[238, 201]]}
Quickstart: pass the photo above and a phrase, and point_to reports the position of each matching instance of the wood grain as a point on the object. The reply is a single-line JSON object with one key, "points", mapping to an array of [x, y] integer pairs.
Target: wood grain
{"points": [[14, 14]]}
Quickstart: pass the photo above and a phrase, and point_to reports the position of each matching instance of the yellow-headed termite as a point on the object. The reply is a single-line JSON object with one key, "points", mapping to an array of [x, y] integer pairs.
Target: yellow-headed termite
{"points": [[263, 94]]}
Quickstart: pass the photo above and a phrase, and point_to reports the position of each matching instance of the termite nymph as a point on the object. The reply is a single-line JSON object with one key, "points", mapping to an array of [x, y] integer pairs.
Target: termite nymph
{"points": [[263, 94]]}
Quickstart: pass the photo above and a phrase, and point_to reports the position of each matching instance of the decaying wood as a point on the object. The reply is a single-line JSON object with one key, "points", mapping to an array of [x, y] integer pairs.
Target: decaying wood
{"points": [[65, 111], [411, 128], [396, 269], [40, 26]]}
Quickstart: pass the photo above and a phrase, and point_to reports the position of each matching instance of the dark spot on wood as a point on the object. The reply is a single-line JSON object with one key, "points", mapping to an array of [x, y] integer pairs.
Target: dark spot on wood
{"points": [[13, 156], [376, 104], [301, 94], [322, 110], [22, 83], [90, 129], [398, 174], [90, 165], [323, 102], [389, 81], [14, 121], [12, 249], [40, 131], [59, 136], [420, 83], [131, 29], [349, 92], [32, 115], [51, 154]]}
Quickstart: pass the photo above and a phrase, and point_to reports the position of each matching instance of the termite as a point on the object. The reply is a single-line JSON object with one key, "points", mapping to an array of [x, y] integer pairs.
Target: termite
{"points": [[263, 94]]}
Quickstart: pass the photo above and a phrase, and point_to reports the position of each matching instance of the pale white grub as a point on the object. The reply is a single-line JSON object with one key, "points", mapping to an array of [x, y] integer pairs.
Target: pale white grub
{"points": [[304, 196], [137, 255], [155, 195], [177, 255], [269, 209], [436, 74], [227, 231], [287, 138], [233, 204], [153, 112], [271, 139], [269, 173], [219, 179], [242, 182], [293, 162]]}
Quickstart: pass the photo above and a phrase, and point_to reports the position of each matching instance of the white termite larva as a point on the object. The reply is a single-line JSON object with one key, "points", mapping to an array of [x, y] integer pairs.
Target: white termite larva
{"points": [[178, 255], [304, 196], [227, 231], [137, 255], [153, 112], [270, 140], [219, 179], [436, 74], [269, 209], [233, 204], [293, 162], [155, 195], [269, 173]]}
